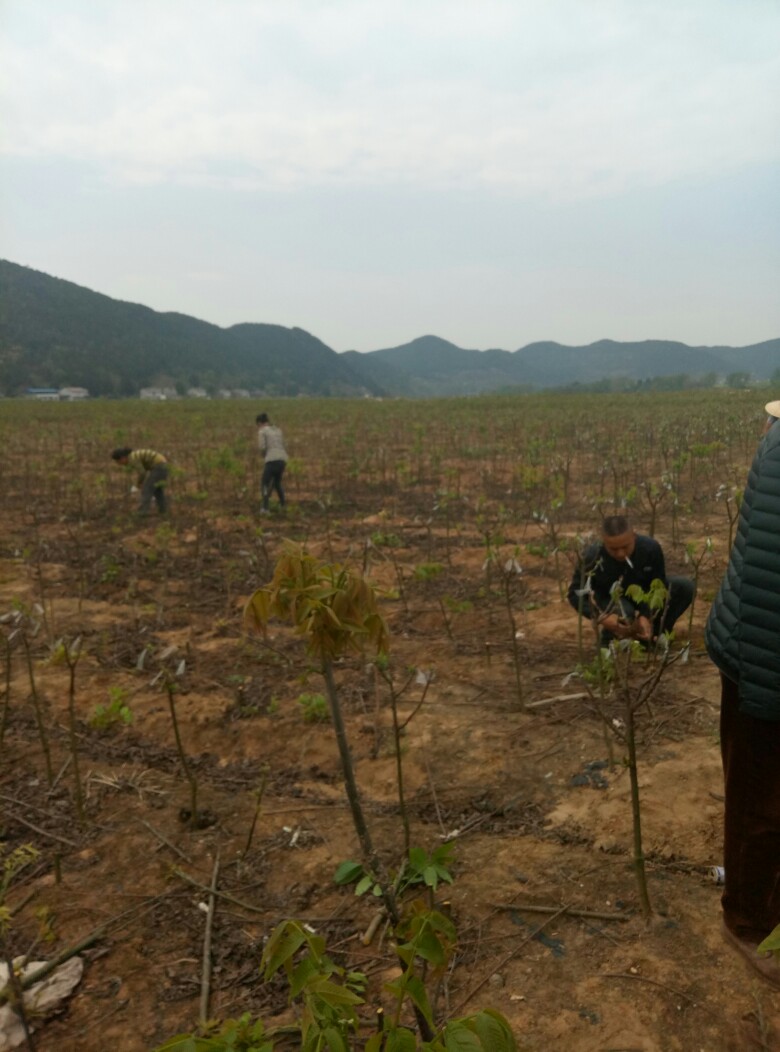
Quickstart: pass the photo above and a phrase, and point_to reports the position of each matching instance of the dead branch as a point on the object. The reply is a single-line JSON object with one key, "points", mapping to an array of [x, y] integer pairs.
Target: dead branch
{"points": [[167, 842], [219, 894], [505, 960], [570, 911]]}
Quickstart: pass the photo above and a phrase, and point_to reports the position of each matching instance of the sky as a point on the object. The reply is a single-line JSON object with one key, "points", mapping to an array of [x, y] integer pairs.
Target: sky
{"points": [[492, 172]]}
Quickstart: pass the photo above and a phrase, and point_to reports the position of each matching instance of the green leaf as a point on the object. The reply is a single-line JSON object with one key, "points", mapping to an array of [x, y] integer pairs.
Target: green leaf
{"points": [[415, 989], [458, 1038], [285, 941], [364, 884], [417, 858], [335, 1040], [302, 973], [431, 877], [348, 872], [399, 1039], [258, 610], [494, 1032], [333, 994], [771, 943], [442, 925], [429, 948]]}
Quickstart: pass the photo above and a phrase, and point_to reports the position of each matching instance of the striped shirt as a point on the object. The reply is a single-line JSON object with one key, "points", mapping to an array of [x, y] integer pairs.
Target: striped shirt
{"points": [[144, 460]]}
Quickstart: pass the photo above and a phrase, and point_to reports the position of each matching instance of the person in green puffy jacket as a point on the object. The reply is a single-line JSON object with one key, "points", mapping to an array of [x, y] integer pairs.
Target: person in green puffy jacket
{"points": [[743, 639]]}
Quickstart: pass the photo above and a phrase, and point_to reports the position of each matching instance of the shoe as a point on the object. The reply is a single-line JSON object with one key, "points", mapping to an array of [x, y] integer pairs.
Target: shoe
{"points": [[264, 511], [764, 964]]}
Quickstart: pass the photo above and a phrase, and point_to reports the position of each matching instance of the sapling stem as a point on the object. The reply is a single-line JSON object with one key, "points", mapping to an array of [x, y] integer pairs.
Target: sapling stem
{"points": [[508, 575], [636, 813], [205, 986], [39, 721], [170, 690], [16, 999], [72, 654], [399, 767], [6, 689], [353, 794], [258, 804]]}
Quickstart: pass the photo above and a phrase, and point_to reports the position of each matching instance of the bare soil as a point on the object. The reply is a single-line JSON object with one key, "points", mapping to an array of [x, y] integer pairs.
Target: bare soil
{"points": [[539, 818]]}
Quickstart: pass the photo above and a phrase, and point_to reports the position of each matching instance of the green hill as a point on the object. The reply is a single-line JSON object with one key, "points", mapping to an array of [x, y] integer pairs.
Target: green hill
{"points": [[429, 366], [55, 333]]}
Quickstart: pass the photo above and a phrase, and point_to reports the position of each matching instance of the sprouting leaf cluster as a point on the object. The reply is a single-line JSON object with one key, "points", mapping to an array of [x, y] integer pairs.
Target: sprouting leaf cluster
{"points": [[331, 606], [420, 870]]}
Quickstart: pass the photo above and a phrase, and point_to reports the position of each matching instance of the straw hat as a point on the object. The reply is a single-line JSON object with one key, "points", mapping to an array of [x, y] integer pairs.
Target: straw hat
{"points": [[773, 409]]}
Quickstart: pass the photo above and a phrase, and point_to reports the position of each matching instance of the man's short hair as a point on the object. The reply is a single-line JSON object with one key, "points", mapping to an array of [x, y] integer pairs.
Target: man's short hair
{"points": [[261, 418], [120, 454], [615, 525]]}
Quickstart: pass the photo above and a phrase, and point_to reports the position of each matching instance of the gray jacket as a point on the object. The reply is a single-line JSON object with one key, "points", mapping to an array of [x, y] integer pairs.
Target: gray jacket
{"points": [[743, 628], [271, 443]]}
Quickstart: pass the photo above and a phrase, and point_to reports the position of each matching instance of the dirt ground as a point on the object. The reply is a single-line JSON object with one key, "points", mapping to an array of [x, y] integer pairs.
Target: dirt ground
{"points": [[540, 822]]}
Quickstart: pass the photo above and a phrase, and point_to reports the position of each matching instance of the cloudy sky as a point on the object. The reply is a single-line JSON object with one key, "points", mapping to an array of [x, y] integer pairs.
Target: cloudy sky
{"points": [[493, 172]]}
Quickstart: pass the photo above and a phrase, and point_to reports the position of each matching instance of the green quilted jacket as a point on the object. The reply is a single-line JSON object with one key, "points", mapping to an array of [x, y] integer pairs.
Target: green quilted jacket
{"points": [[743, 628]]}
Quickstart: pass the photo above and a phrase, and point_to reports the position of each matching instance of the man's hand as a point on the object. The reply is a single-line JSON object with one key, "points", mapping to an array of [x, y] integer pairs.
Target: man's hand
{"points": [[642, 628], [616, 625]]}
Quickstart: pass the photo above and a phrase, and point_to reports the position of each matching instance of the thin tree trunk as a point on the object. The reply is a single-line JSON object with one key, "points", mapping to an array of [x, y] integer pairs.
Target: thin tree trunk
{"points": [[353, 794], [639, 858]]}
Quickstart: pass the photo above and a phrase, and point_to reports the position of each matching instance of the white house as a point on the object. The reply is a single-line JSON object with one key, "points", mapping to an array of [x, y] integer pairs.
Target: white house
{"points": [[73, 394]]}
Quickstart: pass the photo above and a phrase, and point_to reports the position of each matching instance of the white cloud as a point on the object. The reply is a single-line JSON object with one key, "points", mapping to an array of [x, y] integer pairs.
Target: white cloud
{"points": [[558, 99]]}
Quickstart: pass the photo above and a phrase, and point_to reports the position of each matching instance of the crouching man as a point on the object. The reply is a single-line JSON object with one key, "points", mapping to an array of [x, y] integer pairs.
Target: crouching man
{"points": [[623, 558]]}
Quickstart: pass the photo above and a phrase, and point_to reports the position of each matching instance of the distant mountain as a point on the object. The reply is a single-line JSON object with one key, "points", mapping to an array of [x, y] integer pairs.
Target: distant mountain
{"points": [[55, 333], [430, 366]]}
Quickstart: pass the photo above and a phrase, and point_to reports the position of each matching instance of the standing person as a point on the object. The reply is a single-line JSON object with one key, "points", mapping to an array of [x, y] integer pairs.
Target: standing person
{"points": [[626, 557], [152, 471], [274, 456], [743, 639]]}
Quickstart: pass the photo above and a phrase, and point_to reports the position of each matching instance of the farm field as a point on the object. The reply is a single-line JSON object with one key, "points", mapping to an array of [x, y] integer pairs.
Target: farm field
{"points": [[504, 754]]}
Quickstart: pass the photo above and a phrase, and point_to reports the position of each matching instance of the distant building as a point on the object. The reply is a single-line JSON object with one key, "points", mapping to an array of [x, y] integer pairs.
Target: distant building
{"points": [[197, 392], [43, 394], [157, 394], [240, 392], [73, 394]]}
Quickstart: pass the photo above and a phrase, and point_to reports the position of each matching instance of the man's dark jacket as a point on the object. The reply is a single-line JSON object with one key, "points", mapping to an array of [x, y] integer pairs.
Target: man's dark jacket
{"points": [[603, 571], [743, 628]]}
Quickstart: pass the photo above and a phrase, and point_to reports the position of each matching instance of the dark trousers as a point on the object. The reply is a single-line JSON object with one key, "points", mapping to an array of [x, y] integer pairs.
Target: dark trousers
{"points": [[681, 593], [153, 486], [751, 837], [272, 480]]}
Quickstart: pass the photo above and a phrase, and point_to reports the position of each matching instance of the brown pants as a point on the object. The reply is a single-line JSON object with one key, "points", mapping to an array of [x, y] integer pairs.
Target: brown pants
{"points": [[750, 749]]}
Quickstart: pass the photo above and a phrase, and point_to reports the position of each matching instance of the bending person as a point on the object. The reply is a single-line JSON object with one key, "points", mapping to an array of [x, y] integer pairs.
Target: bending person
{"points": [[152, 471]]}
